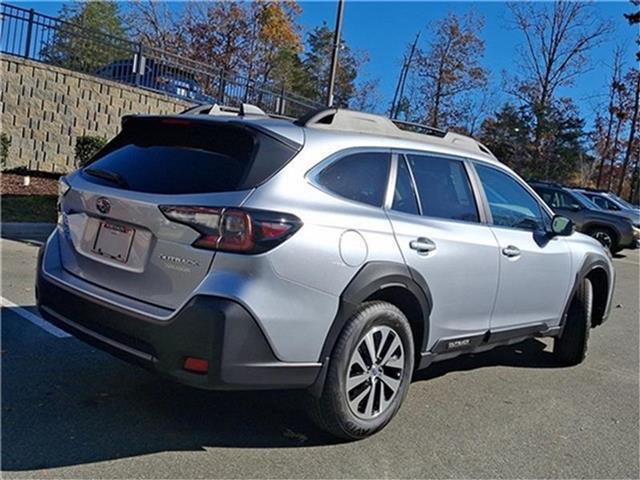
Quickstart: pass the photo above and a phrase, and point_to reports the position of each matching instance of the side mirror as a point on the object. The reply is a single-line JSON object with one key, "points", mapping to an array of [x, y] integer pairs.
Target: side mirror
{"points": [[575, 207], [561, 226]]}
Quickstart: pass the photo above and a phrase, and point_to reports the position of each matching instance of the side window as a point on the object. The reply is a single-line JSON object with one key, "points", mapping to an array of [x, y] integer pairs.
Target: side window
{"points": [[557, 198], [443, 188], [547, 195], [404, 198], [566, 201], [601, 202], [511, 205], [607, 204], [361, 177]]}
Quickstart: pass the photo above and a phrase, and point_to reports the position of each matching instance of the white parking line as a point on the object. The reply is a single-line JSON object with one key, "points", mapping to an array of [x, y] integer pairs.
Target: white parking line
{"points": [[33, 318]]}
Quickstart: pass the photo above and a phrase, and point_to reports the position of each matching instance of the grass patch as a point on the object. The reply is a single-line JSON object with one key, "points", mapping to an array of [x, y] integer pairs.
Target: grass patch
{"points": [[29, 208]]}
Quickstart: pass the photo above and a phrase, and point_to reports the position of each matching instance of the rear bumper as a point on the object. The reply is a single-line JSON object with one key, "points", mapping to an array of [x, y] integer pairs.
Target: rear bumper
{"points": [[212, 328]]}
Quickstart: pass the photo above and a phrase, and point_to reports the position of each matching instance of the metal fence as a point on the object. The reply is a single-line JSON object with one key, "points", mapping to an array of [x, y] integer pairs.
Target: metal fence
{"points": [[39, 37]]}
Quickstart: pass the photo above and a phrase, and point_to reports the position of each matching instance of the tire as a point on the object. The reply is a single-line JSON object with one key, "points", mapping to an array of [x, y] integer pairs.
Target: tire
{"points": [[571, 347], [606, 237], [349, 410]]}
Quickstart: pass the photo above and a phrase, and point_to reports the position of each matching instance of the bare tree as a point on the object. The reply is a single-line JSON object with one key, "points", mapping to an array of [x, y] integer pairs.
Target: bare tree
{"points": [[632, 129], [557, 40], [367, 97], [450, 66], [621, 119], [218, 34], [605, 128], [477, 107], [635, 175], [156, 25], [634, 19]]}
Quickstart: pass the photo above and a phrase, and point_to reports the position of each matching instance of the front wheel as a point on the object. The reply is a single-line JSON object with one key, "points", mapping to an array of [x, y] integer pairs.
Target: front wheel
{"points": [[606, 237], [369, 373]]}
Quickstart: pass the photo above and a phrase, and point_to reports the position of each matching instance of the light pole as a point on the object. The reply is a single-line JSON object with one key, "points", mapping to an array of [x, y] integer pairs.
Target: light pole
{"points": [[334, 57], [404, 71]]}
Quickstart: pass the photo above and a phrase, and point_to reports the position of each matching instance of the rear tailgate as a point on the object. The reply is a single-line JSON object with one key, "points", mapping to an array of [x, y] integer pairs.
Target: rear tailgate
{"points": [[115, 234]]}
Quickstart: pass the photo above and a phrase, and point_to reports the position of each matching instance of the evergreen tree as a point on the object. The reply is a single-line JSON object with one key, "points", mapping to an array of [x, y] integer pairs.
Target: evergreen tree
{"points": [[511, 134], [86, 41], [317, 65]]}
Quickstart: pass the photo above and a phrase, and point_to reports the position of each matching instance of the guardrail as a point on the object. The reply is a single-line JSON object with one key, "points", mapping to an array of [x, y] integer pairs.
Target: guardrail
{"points": [[32, 35]]}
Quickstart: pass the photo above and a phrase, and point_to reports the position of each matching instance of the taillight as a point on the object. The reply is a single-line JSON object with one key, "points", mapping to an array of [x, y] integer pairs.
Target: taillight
{"points": [[235, 229]]}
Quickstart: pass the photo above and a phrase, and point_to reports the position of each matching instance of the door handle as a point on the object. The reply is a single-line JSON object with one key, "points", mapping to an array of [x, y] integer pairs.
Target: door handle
{"points": [[422, 245], [511, 251]]}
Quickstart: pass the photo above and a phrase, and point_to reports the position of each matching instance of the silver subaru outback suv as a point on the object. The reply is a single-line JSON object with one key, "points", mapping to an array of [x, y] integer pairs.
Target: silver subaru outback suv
{"points": [[338, 253]]}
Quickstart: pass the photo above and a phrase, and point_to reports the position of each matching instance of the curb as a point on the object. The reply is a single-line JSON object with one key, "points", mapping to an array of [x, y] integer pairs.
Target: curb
{"points": [[23, 229]]}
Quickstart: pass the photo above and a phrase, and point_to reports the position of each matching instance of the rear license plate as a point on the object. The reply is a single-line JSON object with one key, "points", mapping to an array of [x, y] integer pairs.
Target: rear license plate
{"points": [[114, 241]]}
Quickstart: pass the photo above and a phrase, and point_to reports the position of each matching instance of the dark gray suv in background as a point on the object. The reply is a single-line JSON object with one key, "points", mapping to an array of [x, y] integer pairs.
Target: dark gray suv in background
{"points": [[612, 230]]}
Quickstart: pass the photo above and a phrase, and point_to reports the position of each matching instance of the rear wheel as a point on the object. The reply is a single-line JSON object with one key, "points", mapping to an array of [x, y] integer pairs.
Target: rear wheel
{"points": [[369, 373], [571, 347]]}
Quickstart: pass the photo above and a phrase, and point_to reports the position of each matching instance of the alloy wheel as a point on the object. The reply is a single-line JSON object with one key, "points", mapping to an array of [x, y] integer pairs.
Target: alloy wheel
{"points": [[604, 238], [375, 372]]}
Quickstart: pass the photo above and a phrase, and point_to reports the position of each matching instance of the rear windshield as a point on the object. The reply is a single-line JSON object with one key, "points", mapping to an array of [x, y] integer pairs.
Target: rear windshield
{"points": [[176, 156]]}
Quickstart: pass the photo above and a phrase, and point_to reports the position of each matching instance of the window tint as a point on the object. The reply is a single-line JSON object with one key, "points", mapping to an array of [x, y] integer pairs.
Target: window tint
{"points": [[404, 198], [601, 202], [511, 205], [584, 200], [176, 156], [558, 198], [361, 177], [443, 188]]}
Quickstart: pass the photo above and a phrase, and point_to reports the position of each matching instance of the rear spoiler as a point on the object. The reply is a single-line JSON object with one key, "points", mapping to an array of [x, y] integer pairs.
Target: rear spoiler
{"points": [[179, 119]]}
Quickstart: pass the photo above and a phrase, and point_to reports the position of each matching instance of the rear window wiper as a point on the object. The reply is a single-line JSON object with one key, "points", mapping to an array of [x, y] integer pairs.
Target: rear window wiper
{"points": [[107, 175]]}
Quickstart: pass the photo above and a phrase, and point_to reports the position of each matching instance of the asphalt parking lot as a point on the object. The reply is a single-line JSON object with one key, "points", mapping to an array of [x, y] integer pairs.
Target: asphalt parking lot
{"points": [[69, 410]]}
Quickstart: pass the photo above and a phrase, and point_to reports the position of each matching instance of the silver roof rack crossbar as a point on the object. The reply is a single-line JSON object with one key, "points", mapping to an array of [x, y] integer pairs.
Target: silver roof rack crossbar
{"points": [[420, 128], [246, 109]]}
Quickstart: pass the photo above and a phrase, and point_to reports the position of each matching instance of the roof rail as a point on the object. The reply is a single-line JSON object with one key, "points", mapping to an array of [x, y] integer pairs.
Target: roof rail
{"points": [[594, 190], [547, 182], [352, 121], [210, 109], [413, 126], [343, 119], [248, 109], [244, 110]]}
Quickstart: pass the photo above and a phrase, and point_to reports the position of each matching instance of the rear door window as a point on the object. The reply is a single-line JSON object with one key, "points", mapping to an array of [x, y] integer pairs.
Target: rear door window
{"points": [[176, 156], [361, 177], [404, 198], [443, 187]]}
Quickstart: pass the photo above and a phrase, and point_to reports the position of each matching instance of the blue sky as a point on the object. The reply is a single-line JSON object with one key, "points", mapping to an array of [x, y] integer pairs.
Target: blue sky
{"points": [[383, 29]]}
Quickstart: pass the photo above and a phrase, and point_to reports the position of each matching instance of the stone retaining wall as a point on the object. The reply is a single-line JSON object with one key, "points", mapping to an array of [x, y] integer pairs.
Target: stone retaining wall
{"points": [[45, 108]]}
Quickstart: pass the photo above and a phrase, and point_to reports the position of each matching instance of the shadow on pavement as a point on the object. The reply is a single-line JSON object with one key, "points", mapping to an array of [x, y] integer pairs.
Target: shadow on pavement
{"points": [[65, 404], [528, 354]]}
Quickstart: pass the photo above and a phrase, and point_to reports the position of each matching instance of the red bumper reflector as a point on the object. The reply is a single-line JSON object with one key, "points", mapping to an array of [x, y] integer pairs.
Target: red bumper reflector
{"points": [[196, 365]]}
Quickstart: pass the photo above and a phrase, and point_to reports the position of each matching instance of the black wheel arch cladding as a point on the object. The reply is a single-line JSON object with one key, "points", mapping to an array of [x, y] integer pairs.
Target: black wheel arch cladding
{"points": [[592, 264], [375, 277]]}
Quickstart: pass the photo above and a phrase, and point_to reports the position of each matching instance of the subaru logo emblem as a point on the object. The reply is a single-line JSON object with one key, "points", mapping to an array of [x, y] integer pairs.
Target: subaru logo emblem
{"points": [[103, 205]]}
